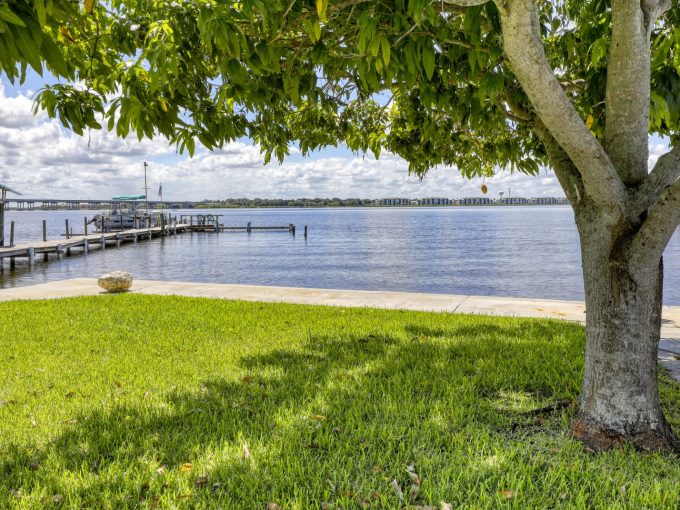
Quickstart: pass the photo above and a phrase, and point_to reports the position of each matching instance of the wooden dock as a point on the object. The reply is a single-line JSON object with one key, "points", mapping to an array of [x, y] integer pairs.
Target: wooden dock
{"points": [[84, 243]]}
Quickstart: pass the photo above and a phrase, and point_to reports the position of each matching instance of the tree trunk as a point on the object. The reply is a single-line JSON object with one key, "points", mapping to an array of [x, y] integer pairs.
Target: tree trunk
{"points": [[620, 399]]}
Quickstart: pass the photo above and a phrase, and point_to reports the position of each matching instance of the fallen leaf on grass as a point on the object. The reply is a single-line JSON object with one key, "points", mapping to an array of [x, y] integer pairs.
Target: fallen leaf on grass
{"points": [[57, 498], [445, 506], [187, 466], [34, 423], [273, 506], [201, 481], [397, 489], [507, 494], [70, 394], [247, 379], [246, 452], [317, 417], [184, 496], [33, 465], [161, 470]]}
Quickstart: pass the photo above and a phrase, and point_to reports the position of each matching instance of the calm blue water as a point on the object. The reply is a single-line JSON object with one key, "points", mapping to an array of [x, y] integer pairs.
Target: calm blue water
{"points": [[510, 251]]}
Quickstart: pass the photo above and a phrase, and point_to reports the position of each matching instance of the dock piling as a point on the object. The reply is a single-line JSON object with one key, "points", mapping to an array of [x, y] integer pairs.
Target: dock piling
{"points": [[31, 256], [12, 261], [44, 234], [85, 225], [305, 230], [86, 248]]}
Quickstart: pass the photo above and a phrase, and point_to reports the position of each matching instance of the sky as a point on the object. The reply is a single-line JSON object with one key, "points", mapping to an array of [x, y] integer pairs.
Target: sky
{"points": [[41, 159]]}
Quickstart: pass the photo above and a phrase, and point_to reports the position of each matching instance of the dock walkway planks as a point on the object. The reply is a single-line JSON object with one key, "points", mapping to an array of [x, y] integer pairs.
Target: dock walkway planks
{"points": [[85, 242]]}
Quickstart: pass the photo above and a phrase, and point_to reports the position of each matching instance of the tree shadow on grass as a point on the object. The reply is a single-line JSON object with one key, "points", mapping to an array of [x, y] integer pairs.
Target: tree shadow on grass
{"points": [[316, 419]]}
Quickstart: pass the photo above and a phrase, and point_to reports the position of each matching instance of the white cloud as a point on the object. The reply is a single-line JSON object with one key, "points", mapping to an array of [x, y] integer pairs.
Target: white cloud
{"points": [[41, 159]]}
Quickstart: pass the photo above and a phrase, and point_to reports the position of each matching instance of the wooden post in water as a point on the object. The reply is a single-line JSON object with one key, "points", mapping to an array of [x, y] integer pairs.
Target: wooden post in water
{"points": [[248, 228], [102, 242], [86, 247], [12, 261], [44, 232], [121, 222], [117, 240], [85, 225], [305, 230], [162, 225], [68, 236], [31, 256], [291, 228]]}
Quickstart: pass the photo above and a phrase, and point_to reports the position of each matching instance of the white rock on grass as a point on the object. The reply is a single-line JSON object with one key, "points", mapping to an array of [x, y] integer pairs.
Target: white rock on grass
{"points": [[116, 281]]}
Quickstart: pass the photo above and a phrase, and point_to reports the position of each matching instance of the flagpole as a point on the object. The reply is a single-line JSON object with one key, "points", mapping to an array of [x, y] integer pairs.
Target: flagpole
{"points": [[146, 190]]}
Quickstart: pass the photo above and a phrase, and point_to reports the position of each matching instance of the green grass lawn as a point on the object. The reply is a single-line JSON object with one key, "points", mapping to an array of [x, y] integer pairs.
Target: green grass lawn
{"points": [[164, 402]]}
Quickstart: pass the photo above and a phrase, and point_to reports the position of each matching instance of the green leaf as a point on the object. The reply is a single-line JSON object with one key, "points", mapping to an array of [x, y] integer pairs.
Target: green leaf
{"points": [[321, 7], [428, 61], [385, 47], [8, 15], [597, 51]]}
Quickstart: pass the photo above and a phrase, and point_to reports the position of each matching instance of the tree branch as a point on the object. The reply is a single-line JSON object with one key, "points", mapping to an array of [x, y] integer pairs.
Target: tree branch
{"points": [[664, 217], [628, 90], [665, 173], [524, 49], [567, 174]]}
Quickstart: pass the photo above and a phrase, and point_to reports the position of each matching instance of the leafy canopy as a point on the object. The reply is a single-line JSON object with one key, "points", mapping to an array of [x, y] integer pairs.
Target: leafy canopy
{"points": [[420, 78]]}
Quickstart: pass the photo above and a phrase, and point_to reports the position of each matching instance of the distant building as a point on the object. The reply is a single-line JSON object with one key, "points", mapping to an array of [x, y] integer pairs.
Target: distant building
{"points": [[548, 201], [434, 201], [395, 201], [513, 201], [474, 201]]}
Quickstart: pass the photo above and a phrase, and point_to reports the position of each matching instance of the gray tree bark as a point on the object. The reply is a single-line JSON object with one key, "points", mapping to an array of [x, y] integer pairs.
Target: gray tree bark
{"points": [[620, 398]]}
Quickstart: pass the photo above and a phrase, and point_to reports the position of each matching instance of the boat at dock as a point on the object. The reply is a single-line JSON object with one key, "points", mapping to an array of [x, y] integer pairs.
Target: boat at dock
{"points": [[125, 213]]}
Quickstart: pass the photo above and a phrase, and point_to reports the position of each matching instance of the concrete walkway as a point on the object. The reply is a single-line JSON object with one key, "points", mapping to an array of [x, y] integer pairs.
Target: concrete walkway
{"points": [[485, 305]]}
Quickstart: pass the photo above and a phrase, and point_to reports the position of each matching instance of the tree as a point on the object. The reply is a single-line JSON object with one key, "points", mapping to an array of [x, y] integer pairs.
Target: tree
{"points": [[479, 84]]}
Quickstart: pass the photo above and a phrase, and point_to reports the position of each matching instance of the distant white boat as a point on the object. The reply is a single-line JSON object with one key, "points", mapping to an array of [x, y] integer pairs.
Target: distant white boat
{"points": [[124, 214]]}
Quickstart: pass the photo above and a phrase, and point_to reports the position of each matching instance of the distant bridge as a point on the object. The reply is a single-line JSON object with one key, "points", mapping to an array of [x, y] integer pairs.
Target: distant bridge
{"points": [[31, 204]]}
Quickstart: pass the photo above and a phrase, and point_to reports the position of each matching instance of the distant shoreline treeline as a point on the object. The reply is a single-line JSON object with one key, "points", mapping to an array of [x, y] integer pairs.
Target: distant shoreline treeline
{"points": [[234, 203]]}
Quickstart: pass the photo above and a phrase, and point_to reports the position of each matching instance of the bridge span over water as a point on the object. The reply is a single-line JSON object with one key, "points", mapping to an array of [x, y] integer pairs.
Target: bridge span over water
{"points": [[31, 204]]}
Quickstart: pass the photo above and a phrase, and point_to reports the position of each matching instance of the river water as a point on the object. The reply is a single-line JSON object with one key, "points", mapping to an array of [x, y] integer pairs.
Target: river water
{"points": [[497, 251]]}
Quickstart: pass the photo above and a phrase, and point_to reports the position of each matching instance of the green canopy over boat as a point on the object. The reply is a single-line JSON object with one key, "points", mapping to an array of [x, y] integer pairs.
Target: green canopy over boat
{"points": [[126, 198]]}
